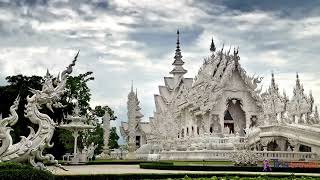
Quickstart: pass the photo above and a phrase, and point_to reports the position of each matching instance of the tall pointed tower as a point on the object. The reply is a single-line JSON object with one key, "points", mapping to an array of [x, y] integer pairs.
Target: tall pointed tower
{"points": [[178, 71], [134, 118], [300, 106]]}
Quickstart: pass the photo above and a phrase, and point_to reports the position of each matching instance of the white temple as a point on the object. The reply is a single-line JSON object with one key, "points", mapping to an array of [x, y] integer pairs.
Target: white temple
{"points": [[222, 110]]}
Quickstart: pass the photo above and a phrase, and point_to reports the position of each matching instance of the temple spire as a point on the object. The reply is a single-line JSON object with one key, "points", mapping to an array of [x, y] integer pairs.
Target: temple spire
{"points": [[272, 80], [297, 81], [178, 70], [212, 46], [131, 85]]}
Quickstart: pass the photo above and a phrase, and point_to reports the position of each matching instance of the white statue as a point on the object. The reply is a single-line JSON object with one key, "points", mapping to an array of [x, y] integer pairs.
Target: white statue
{"points": [[30, 148]]}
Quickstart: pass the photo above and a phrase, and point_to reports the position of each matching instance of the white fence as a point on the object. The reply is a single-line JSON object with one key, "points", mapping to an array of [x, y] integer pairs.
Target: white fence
{"points": [[221, 155]]}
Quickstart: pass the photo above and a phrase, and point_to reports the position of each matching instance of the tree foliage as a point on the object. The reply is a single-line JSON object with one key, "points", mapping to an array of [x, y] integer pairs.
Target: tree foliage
{"points": [[100, 110], [18, 85], [77, 89], [113, 138]]}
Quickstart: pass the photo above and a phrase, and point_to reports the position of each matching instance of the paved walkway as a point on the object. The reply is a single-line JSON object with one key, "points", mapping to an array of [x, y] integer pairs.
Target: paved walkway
{"points": [[134, 169]]}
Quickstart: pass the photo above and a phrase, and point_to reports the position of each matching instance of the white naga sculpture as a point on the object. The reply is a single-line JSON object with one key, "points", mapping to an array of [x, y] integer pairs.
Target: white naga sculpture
{"points": [[30, 148]]}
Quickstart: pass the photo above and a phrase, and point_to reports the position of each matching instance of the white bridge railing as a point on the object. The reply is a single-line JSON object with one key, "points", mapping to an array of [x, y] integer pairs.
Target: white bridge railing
{"points": [[283, 155], [218, 155]]}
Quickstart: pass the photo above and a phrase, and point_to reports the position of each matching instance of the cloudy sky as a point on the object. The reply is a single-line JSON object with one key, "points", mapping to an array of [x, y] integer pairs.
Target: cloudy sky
{"points": [[126, 40]]}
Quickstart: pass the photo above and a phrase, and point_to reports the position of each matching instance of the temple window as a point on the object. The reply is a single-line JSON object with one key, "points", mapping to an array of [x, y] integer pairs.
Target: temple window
{"points": [[192, 130], [198, 132], [187, 131], [211, 129]]}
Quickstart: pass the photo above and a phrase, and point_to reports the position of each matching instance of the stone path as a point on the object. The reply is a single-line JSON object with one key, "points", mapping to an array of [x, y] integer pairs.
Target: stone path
{"points": [[134, 169]]}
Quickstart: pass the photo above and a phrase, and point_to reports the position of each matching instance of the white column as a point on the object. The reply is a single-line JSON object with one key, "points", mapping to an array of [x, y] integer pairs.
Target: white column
{"points": [[106, 131], [221, 118], [75, 134], [248, 116]]}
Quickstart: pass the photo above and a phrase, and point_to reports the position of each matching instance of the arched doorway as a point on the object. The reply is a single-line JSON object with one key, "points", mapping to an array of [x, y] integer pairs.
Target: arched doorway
{"points": [[273, 146], [234, 116], [228, 121]]}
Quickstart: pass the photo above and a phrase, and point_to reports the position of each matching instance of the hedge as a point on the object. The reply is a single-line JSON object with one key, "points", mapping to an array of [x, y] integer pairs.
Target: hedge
{"points": [[171, 166], [123, 162], [182, 176], [14, 171]]}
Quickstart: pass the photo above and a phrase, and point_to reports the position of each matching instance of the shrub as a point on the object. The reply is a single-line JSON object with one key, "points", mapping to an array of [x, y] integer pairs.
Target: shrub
{"points": [[13, 171], [169, 166]]}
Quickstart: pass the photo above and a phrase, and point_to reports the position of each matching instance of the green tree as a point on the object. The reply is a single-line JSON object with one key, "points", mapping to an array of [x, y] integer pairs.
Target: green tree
{"points": [[96, 136], [78, 89], [100, 110], [113, 138], [18, 85]]}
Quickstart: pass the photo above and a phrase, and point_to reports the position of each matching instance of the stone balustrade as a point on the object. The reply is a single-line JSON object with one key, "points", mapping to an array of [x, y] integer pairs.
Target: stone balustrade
{"points": [[284, 155], [195, 155], [118, 154], [213, 140], [220, 155]]}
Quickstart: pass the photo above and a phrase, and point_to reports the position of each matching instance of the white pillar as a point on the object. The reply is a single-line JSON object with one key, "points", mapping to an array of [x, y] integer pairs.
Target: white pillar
{"points": [[247, 116], [221, 118], [75, 134], [106, 132]]}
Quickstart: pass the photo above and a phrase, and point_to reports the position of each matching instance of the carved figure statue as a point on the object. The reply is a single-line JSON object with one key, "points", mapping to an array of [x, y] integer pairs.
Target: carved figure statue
{"points": [[30, 148]]}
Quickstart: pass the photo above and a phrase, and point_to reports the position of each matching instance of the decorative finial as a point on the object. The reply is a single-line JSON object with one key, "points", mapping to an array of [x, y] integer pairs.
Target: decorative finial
{"points": [[177, 63], [212, 46], [222, 48], [229, 50], [131, 85], [48, 74], [284, 93], [297, 80], [311, 96], [69, 68], [178, 51], [178, 37], [272, 79]]}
